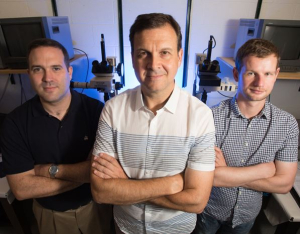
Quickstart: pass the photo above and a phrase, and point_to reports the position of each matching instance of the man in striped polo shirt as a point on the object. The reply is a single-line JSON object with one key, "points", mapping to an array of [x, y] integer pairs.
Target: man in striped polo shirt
{"points": [[162, 136], [257, 145]]}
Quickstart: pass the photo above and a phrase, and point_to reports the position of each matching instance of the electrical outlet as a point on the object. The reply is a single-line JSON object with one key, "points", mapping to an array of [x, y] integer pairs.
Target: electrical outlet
{"points": [[228, 87], [200, 57]]}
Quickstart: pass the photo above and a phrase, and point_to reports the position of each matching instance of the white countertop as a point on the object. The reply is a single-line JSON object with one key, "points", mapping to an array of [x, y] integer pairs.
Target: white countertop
{"points": [[283, 207]]}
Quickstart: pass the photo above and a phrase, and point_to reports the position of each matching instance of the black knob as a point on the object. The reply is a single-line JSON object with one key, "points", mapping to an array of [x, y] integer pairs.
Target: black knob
{"points": [[214, 65], [205, 64], [95, 62]]}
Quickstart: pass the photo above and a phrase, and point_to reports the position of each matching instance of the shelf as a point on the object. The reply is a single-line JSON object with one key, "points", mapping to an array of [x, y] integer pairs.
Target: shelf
{"points": [[24, 71], [282, 75]]}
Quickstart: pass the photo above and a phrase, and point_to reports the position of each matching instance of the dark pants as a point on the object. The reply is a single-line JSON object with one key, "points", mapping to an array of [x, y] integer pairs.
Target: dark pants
{"points": [[209, 225]]}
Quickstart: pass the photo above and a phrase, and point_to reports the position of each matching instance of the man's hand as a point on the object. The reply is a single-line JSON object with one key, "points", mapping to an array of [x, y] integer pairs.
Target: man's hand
{"points": [[220, 160], [42, 170], [107, 167]]}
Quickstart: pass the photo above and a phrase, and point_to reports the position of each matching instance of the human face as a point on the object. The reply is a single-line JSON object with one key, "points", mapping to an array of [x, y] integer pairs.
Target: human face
{"points": [[49, 76], [156, 60], [256, 78]]}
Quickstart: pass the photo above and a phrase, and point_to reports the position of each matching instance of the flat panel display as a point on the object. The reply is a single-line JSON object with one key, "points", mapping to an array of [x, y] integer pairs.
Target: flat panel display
{"points": [[18, 36], [286, 39]]}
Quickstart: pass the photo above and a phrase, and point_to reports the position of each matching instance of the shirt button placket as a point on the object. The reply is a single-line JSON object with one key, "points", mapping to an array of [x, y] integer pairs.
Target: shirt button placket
{"points": [[246, 143], [147, 218], [236, 208]]}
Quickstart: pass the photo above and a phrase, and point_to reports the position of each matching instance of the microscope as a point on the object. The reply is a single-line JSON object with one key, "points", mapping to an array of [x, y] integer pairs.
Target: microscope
{"points": [[206, 79], [104, 80]]}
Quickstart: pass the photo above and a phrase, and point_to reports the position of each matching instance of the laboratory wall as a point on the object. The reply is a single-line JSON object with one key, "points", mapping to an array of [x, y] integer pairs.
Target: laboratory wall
{"points": [[91, 18]]}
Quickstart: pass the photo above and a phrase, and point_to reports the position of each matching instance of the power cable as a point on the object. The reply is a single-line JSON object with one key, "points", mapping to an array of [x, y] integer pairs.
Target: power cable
{"points": [[88, 65], [5, 87]]}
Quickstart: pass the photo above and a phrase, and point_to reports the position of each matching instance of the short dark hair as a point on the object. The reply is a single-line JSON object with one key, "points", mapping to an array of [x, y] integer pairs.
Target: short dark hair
{"points": [[152, 21], [260, 48], [46, 42]]}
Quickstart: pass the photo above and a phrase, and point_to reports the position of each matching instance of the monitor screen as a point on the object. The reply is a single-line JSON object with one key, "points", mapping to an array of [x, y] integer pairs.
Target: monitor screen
{"points": [[18, 36], [286, 39]]}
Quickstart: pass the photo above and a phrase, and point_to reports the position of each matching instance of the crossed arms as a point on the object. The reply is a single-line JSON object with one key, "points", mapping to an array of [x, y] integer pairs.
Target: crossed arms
{"points": [[272, 177], [188, 191], [37, 183]]}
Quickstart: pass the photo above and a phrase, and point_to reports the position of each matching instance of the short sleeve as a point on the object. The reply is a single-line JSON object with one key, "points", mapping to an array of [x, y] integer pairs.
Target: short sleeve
{"points": [[105, 141], [202, 154], [289, 149], [15, 152]]}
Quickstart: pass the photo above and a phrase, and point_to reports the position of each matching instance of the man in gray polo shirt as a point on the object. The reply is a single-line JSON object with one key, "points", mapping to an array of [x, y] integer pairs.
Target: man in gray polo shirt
{"points": [[256, 145]]}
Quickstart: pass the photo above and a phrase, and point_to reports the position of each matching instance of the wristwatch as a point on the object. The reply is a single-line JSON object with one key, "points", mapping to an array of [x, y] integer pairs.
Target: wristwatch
{"points": [[53, 169]]}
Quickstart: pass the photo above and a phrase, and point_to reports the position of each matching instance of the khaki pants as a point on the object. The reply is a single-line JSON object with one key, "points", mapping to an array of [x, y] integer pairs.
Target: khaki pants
{"points": [[89, 219]]}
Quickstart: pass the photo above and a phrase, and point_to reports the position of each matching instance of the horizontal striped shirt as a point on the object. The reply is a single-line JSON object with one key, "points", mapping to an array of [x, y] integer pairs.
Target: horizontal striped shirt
{"points": [[180, 135], [272, 135]]}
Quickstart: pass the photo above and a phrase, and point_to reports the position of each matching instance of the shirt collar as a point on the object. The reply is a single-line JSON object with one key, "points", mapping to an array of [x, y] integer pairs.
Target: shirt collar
{"points": [[139, 103], [265, 113], [39, 111], [235, 108], [37, 108], [171, 104]]}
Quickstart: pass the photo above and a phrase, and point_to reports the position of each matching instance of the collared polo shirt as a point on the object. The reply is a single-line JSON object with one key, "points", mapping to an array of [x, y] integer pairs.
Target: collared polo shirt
{"points": [[180, 135], [31, 136], [272, 135]]}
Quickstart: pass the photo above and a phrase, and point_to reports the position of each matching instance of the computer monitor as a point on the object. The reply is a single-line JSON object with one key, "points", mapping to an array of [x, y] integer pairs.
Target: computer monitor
{"points": [[17, 33], [284, 34]]}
